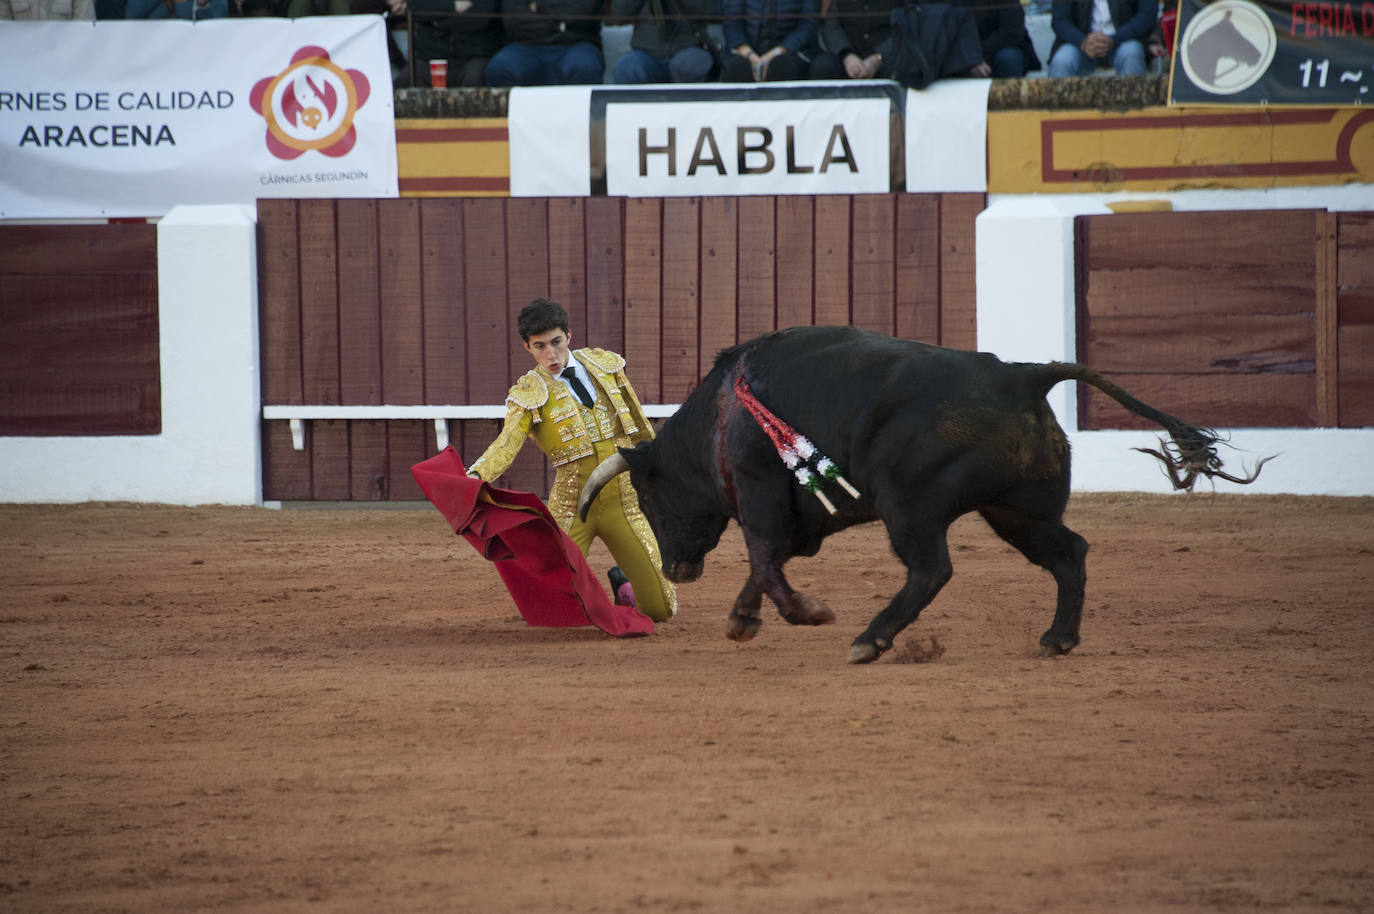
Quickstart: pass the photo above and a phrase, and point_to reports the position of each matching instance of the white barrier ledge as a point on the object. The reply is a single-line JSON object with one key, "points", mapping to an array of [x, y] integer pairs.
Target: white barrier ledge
{"points": [[299, 415]]}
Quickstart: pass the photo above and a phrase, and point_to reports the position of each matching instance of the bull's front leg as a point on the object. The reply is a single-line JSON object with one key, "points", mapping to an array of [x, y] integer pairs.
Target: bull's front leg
{"points": [[765, 574], [745, 616]]}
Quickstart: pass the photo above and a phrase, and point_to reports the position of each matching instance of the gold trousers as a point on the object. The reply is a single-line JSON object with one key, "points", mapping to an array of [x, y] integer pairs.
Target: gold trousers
{"points": [[615, 518]]}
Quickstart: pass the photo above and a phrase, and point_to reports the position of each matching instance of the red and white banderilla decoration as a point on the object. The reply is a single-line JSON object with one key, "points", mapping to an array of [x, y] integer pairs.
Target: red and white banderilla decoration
{"points": [[796, 450]]}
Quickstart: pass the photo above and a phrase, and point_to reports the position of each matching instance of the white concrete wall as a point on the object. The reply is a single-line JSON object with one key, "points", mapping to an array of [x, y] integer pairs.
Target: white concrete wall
{"points": [[209, 449], [1025, 282]]}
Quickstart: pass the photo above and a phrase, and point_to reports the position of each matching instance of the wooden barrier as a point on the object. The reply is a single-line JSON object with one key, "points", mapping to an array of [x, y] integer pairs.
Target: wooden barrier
{"points": [[79, 330], [410, 302], [1261, 318]]}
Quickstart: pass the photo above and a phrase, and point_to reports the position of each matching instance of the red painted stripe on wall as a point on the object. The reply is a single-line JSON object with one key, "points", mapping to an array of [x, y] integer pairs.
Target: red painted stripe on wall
{"points": [[457, 184], [453, 135]]}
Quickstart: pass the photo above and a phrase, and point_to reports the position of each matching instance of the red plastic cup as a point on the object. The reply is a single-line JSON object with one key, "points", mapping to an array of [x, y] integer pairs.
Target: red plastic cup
{"points": [[438, 74]]}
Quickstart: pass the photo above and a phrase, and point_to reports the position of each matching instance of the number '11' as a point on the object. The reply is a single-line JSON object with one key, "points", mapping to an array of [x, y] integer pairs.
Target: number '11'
{"points": [[1306, 68]]}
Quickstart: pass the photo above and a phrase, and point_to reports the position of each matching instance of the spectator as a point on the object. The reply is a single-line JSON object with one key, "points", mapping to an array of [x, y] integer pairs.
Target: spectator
{"points": [[669, 42], [1099, 33], [395, 12], [176, 9], [1007, 49], [857, 40], [550, 43], [769, 39], [466, 40], [47, 9], [295, 9]]}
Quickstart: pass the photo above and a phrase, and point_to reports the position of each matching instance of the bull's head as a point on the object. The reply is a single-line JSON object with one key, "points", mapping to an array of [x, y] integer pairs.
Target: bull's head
{"points": [[684, 522]]}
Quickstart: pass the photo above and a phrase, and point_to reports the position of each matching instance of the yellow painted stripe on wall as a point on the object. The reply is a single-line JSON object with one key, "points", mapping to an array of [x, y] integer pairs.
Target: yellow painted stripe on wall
{"points": [[1177, 148], [437, 160], [453, 157]]}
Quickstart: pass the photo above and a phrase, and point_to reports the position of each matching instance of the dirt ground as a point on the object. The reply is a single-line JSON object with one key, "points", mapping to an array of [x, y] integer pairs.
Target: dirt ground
{"points": [[225, 709]]}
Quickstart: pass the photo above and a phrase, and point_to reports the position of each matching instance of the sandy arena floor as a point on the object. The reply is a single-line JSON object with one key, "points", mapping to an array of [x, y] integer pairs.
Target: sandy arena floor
{"points": [[235, 710]]}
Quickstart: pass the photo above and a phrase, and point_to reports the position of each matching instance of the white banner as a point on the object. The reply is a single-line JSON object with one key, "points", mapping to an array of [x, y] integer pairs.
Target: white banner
{"points": [[843, 137], [947, 137], [133, 118]]}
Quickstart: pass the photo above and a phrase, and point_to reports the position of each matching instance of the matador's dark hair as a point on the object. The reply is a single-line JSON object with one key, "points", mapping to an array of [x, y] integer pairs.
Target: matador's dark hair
{"points": [[541, 316]]}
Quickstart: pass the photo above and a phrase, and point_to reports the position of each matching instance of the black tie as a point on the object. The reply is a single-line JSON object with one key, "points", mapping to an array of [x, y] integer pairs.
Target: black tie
{"points": [[570, 375]]}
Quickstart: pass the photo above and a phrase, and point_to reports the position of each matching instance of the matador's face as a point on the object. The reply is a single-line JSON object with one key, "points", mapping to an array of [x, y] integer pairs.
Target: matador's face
{"points": [[550, 349]]}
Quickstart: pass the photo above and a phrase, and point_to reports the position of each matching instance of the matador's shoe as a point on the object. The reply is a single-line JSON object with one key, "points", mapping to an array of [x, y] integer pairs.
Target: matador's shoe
{"points": [[620, 587]]}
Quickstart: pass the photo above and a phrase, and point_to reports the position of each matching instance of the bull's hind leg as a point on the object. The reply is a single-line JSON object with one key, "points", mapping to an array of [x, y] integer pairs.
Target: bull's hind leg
{"points": [[926, 556], [1056, 548]]}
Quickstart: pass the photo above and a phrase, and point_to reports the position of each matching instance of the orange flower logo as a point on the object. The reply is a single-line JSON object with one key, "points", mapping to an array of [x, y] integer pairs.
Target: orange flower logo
{"points": [[310, 105]]}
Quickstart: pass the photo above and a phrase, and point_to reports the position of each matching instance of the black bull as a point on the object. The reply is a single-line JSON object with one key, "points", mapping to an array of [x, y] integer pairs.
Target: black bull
{"points": [[925, 434]]}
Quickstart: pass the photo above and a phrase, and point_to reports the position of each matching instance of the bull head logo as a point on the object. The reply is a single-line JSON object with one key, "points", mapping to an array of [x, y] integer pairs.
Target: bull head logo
{"points": [[1227, 46]]}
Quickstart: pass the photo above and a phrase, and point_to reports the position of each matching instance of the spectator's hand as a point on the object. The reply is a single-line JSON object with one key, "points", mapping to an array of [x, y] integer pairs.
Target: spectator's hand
{"points": [[853, 66], [462, 6], [761, 68], [1096, 45], [397, 7], [980, 70], [871, 64]]}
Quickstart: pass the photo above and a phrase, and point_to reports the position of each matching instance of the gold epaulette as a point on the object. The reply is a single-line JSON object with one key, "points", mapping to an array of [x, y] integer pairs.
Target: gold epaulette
{"points": [[530, 392], [603, 358]]}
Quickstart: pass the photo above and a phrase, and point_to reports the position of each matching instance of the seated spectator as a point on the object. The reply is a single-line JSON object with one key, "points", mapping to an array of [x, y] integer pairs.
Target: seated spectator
{"points": [[395, 13], [466, 40], [856, 36], [769, 39], [47, 9], [550, 43], [1160, 45], [669, 42], [178, 9], [1007, 49], [295, 9], [1095, 33]]}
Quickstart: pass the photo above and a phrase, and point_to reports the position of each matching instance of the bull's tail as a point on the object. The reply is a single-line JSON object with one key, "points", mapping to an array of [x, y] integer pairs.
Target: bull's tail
{"points": [[1191, 453]]}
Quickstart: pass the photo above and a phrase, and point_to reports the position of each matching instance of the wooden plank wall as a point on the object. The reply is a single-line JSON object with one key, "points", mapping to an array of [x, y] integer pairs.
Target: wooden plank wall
{"points": [[1355, 318], [1211, 316], [413, 301], [79, 330]]}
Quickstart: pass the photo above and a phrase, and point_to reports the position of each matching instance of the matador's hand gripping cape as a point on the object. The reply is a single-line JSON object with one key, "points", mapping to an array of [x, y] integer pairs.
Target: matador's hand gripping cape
{"points": [[545, 572]]}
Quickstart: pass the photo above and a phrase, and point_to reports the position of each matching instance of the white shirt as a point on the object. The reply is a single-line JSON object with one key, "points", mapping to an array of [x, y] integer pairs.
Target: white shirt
{"points": [[1102, 18]]}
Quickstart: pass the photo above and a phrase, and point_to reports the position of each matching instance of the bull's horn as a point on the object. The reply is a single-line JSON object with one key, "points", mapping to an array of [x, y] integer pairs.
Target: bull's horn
{"points": [[610, 468]]}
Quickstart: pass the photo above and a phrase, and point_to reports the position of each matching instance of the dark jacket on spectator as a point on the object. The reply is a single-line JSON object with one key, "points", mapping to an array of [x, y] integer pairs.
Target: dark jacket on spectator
{"points": [[553, 21], [476, 33], [861, 27], [1003, 25], [664, 27], [1072, 20], [763, 24], [933, 40]]}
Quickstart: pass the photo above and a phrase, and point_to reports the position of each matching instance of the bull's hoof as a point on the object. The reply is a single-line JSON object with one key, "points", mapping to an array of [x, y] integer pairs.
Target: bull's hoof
{"points": [[811, 611], [866, 652], [1051, 646], [742, 628]]}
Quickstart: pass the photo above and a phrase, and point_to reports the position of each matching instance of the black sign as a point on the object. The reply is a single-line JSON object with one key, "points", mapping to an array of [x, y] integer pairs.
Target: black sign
{"points": [[1304, 52]]}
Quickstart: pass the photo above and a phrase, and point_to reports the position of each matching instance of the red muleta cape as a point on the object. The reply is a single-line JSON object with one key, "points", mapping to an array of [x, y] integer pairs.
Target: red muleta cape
{"points": [[545, 572]]}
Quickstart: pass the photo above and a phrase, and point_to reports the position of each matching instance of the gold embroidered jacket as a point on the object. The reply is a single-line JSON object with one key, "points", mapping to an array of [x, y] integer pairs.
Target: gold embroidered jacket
{"points": [[544, 408]]}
